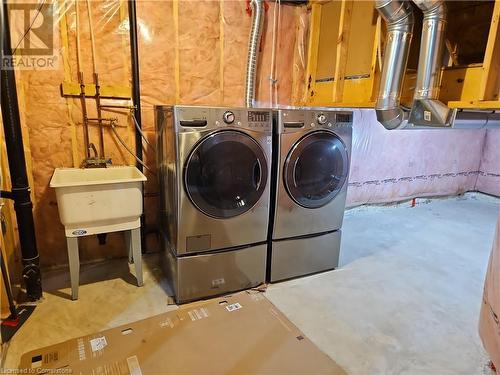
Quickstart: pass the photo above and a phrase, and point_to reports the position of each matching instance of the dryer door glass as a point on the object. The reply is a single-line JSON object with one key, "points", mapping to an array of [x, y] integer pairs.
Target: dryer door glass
{"points": [[226, 174], [316, 169]]}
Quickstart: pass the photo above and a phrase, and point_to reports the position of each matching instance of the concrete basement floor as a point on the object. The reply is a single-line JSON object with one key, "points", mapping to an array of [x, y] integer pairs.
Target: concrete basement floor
{"points": [[405, 300]]}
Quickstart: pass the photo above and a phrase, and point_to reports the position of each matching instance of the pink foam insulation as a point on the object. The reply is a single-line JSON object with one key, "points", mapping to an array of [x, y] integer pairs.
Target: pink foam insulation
{"points": [[488, 180]]}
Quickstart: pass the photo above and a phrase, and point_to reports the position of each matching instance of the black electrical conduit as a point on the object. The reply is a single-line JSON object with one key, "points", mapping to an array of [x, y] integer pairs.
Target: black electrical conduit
{"points": [[136, 99], [20, 193]]}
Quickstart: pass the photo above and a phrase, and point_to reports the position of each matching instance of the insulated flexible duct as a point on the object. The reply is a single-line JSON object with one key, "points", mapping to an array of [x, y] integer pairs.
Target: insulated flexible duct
{"points": [[399, 18], [253, 50]]}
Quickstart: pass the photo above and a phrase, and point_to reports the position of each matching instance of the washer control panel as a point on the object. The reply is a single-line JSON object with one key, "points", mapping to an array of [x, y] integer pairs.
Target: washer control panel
{"points": [[190, 118], [291, 120]]}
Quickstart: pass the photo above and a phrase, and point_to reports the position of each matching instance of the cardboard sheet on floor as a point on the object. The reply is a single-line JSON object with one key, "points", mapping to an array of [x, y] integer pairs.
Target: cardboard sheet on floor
{"points": [[242, 333], [489, 323]]}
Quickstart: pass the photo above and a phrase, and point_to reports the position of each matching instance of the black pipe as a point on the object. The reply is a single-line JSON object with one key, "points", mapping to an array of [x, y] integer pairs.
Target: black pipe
{"points": [[8, 287], [17, 164], [6, 194], [136, 99]]}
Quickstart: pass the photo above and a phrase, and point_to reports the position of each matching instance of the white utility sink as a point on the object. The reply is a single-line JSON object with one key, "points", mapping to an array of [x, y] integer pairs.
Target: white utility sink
{"points": [[98, 200]]}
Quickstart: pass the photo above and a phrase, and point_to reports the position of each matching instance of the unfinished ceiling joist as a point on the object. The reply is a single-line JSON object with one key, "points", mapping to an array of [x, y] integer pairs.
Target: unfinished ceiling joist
{"points": [[358, 68]]}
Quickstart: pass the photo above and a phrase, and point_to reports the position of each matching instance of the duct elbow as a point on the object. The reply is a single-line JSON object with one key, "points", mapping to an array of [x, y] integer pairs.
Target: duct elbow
{"points": [[397, 14], [433, 9], [391, 118]]}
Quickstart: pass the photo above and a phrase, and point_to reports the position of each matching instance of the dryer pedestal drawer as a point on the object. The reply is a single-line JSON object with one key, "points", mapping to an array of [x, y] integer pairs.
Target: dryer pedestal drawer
{"points": [[211, 274], [304, 255]]}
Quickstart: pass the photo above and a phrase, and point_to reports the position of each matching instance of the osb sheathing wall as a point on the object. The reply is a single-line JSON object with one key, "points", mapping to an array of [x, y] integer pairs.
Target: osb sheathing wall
{"points": [[191, 52]]}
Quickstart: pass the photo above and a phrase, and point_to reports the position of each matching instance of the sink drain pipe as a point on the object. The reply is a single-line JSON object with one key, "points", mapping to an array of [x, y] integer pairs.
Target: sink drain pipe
{"points": [[136, 100], [17, 164]]}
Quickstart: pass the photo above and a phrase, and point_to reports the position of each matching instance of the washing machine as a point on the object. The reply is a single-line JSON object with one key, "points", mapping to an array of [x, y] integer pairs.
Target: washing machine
{"points": [[311, 167], [214, 168]]}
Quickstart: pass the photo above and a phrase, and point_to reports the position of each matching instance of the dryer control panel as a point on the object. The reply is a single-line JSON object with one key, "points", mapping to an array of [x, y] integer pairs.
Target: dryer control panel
{"points": [[189, 118], [292, 120]]}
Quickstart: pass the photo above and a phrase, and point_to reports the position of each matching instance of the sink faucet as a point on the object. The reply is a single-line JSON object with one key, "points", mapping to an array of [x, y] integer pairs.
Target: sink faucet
{"points": [[93, 148]]}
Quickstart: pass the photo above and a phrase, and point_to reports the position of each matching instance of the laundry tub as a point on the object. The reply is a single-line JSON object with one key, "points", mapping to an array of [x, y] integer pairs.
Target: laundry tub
{"points": [[98, 200]]}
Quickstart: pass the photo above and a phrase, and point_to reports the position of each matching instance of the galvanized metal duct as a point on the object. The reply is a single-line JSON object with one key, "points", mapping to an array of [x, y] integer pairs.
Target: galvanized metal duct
{"points": [[469, 119], [253, 50], [427, 110], [398, 15]]}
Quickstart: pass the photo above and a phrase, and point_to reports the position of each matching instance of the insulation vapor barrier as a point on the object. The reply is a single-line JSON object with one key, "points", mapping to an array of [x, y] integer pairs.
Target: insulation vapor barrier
{"points": [[190, 52], [194, 53], [489, 171], [395, 165]]}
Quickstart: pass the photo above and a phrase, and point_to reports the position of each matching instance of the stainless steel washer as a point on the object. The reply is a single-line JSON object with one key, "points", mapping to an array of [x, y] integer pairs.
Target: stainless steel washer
{"points": [[214, 172], [312, 155]]}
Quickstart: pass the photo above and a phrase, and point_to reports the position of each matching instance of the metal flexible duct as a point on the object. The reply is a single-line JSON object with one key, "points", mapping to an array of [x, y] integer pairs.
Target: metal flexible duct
{"points": [[427, 110], [399, 18], [253, 50]]}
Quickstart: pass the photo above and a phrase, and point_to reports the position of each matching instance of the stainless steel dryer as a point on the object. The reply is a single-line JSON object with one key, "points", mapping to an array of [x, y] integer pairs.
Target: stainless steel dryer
{"points": [[312, 156], [214, 172]]}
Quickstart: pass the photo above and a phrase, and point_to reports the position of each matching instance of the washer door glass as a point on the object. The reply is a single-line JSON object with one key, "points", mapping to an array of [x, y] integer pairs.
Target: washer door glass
{"points": [[226, 174], [316, 169]]}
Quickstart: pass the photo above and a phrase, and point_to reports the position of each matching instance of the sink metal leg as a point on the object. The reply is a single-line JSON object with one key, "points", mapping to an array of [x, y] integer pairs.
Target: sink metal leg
{"points": [[74, 265], [128, 244], [135, 235]]}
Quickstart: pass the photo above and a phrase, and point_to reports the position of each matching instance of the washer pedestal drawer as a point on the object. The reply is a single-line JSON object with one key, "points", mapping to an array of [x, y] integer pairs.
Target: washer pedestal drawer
{"points": [[209, 274], [304, 255]]}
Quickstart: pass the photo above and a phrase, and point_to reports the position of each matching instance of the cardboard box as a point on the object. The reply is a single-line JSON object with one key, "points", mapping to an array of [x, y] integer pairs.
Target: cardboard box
{"points": [[489, 321], [243, 333]]}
